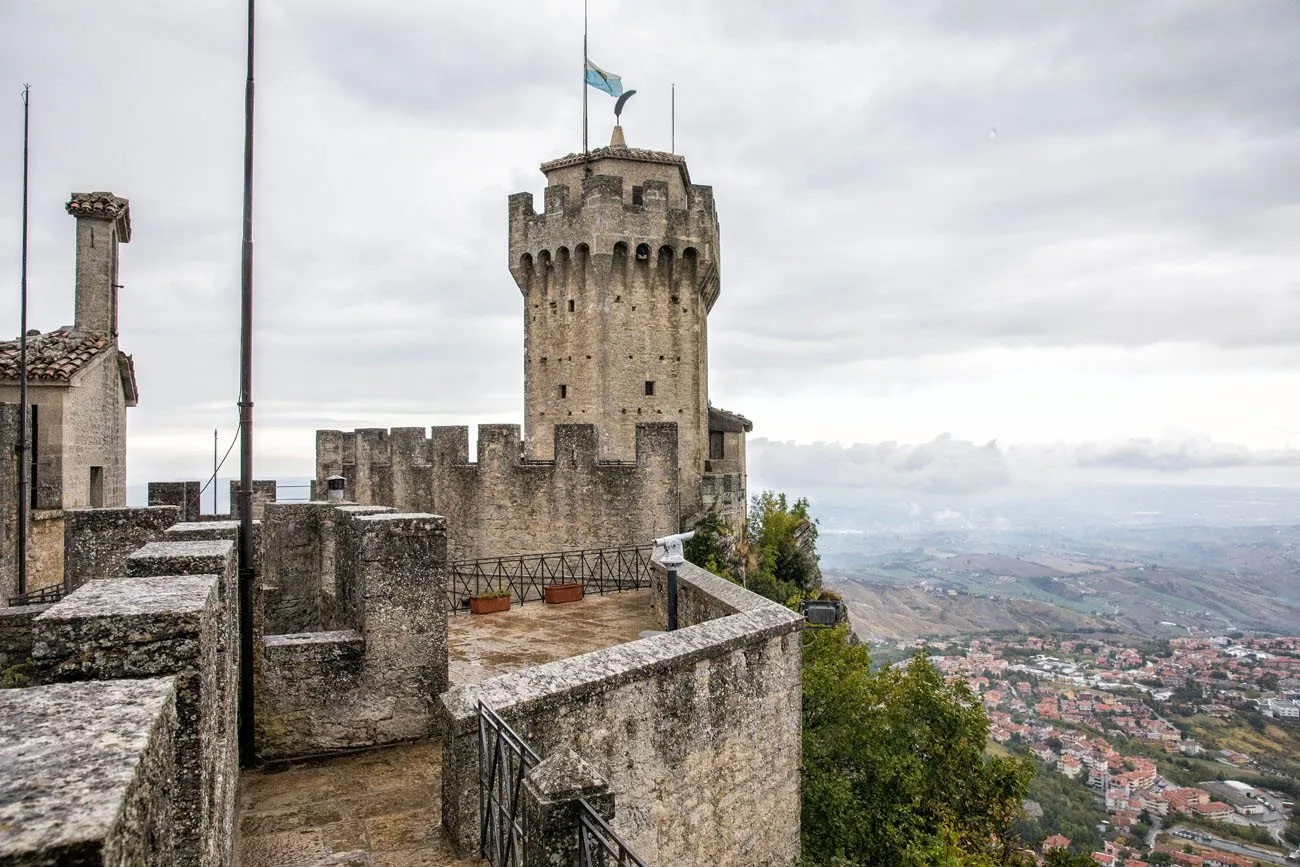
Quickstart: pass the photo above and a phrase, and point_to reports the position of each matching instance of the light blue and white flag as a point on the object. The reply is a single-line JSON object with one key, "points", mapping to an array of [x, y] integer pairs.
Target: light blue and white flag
{"points": [[602, 80]]}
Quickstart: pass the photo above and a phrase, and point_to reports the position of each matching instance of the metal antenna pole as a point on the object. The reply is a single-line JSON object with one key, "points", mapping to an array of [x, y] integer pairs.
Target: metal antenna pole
{"points": [[672, 147], [24, 497], [214, 471], [246, 430]]}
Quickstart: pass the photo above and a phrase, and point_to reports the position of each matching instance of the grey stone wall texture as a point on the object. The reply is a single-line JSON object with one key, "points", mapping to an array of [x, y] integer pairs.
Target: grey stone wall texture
{"points": [[180, 621], [264, 491], [698, 731], [183, 495], [96, 542], [302, 577], [378, 681], [88, 770], [505, 504], [16, 625]]}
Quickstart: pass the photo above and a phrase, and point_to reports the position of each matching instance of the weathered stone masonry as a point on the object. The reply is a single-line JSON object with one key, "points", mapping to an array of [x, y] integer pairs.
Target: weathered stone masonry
{"points": [[697, 731], [505, 504]]}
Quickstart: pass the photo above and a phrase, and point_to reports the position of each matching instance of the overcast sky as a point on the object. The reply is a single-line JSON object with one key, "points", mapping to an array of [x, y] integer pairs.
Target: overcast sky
{"points": [[1067, 227]]}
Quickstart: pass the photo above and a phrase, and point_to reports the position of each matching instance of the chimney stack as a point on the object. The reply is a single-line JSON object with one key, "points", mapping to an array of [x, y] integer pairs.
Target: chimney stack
{"points": [[103, 222]]}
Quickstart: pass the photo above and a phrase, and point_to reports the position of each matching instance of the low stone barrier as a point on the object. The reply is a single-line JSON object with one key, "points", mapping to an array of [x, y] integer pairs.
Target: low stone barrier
{"points": [[16, 625], [179, 621], [376, 681], [698, 731], [96, 542], [88, 770]]}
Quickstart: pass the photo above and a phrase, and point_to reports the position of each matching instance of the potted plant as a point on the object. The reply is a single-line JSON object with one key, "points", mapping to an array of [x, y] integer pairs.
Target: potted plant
{"points": [[569, 591], [489, 603]]}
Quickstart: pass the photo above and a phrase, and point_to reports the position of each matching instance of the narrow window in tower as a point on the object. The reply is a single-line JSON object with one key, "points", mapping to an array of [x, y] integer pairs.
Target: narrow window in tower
{"points": [[570, 305], [638, 195], [564, 391], [650, 387], [716, 452]]}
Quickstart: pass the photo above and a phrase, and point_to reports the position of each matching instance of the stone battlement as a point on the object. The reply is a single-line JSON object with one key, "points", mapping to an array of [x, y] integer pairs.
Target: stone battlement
{"points": [[504, 503]]}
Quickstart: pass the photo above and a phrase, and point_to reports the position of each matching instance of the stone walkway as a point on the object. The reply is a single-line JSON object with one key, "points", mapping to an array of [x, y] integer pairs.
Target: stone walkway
{"points": [[382, 808]]}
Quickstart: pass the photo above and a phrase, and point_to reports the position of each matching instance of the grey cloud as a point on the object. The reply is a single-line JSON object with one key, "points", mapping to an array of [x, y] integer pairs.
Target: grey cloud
{"points": [[943, 465], [1181, 456]]}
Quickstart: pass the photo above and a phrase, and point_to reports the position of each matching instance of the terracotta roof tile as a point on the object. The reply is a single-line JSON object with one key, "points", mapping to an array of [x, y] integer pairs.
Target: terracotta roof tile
{"points": [[56, 356]]}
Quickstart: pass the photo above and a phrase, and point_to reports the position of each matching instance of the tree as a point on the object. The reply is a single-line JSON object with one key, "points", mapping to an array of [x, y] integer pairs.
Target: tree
{"points": [[1063, 858], [715, 548], [894, 765], [782, 548]]}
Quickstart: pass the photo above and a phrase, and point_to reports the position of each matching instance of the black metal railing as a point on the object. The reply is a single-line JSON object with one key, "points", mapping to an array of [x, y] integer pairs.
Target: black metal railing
{"points": [[525, 577], [598, 845], [38, 597], [504, 761]]}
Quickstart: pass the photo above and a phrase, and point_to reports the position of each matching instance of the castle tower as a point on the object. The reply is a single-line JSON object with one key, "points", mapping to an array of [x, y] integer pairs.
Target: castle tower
{"points": [[618, 276]]}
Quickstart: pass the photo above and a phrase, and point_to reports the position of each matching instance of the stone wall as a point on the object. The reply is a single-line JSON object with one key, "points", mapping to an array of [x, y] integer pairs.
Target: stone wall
{"points": [[16, 642], [301, 579], [264, 491], [45, 549], [96, 542], [503, 504], [183, 495], [88, 771], [175, 614], [378, 680], [698, 731]]}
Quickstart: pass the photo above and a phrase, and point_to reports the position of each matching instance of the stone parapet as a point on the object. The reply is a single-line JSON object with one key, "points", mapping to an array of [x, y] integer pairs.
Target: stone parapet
{"points": [[88, 770], [503, 504], [96, 542], [377, 681], [151, 625], [698, 731], [182, 495]]}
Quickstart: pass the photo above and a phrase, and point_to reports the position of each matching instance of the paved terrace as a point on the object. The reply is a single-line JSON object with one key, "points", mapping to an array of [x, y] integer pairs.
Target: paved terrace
{"points": [[382, 807]]}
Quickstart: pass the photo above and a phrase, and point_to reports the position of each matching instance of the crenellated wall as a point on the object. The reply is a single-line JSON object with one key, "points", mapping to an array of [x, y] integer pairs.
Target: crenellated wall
{"points": [[504, 504]]}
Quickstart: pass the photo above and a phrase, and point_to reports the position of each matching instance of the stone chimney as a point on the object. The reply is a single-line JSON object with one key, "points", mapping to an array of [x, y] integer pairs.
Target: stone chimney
{"points": [[103, 222]]}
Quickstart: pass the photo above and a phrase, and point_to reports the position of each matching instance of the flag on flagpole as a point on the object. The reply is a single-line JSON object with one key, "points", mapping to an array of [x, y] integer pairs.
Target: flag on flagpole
{"points": [[602, 80]]}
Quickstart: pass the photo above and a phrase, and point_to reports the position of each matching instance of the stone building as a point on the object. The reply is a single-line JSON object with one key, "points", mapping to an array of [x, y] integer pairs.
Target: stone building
{"points": [[79, 387], [618, 275]]}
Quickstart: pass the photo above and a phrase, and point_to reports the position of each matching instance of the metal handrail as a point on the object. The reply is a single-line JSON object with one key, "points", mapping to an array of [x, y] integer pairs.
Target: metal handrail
{"points": [[504, 760], [525, 577], [38, 597], [598, 843]]}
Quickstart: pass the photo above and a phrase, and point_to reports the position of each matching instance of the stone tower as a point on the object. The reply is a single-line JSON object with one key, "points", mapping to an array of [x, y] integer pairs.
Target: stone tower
{"points": [[618, 276]]}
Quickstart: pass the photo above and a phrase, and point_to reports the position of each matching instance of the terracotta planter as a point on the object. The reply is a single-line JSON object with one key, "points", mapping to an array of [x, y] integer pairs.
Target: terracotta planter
{"points": [[558, 594], [489, 604]]}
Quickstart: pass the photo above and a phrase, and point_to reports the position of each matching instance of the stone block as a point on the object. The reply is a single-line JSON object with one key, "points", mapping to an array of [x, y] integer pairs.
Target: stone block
{"points": [[264, 491], [96, 542], [88, 774], [551, 802], [182, 495], [141, 627]]}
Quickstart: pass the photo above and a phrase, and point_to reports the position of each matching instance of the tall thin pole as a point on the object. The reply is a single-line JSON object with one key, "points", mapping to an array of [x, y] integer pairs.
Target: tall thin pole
{"points": [[585, 150], [24, 498], [672, 147], [246, 430], [214, 471]]}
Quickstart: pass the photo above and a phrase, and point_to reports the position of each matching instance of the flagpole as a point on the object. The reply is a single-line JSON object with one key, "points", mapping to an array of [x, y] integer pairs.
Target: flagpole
{"points": [[585, 150], [672, 147]]}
